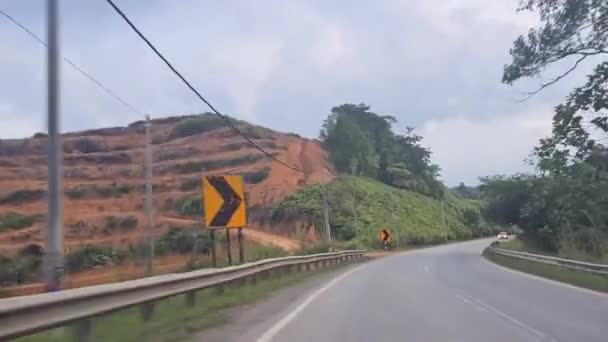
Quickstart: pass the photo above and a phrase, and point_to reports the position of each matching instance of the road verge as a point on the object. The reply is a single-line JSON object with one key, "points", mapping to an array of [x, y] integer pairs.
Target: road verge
{"points": [[569, 276]]}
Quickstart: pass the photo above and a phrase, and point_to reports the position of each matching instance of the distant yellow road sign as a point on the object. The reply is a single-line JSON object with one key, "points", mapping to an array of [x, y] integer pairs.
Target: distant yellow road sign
{"points": [[385, 235], [224, 201]]}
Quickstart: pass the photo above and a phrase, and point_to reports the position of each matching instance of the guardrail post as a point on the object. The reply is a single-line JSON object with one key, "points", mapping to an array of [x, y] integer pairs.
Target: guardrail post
{"points": [[83, 329], [191, 298], [146, 311]]}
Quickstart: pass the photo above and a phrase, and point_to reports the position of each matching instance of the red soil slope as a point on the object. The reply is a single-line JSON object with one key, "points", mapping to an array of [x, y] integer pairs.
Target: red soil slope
{"points": [[103, 178]]}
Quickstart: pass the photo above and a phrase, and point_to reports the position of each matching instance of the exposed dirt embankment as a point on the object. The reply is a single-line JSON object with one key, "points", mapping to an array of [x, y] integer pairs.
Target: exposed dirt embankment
{"points": [[104, 188]]}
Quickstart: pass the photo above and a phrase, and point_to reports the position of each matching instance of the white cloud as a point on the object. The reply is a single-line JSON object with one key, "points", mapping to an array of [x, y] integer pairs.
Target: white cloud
{"points": [[467, 149]]}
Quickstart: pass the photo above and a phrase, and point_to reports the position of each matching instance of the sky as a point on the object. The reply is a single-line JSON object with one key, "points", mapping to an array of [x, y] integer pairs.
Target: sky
{"points": [[435, 65]]}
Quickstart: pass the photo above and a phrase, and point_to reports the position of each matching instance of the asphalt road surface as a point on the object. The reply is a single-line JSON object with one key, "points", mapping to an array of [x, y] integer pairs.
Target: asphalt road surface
{"points": [[446, 293]]}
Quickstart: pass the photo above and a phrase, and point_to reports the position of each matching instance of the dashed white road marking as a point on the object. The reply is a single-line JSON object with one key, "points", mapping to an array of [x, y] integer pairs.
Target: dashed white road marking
{"points": [[486, 307]]}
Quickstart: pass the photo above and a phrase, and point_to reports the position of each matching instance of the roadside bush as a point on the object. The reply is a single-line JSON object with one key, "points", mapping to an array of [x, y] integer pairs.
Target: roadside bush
{"points": [[114, 190], [260, 252], [122, 147], [313, 249], [122, 223], [255, 177], [91, 256], [76, 193], [86, 145], [256, 132], [23, 196], [196, 125], [205, 165], [190, 184], [183, 241], [158, 139], [15, 221], [32, 250], [39, 135], [167, 155], [18, 270], [241, 145], [189, 206]]}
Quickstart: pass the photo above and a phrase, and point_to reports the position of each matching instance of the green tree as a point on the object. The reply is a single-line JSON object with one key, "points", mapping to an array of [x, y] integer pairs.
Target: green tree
{"points": [[566, 204], [361, 142], [570, 30]]}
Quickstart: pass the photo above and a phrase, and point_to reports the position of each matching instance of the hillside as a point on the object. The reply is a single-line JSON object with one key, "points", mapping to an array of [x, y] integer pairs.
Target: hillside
{"points": [[418, 218], [104, 183]]}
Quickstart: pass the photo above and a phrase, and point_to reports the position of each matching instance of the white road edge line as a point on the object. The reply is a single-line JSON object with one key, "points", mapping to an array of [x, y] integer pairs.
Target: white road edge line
{"points": [[555, 282], [278, 326]]}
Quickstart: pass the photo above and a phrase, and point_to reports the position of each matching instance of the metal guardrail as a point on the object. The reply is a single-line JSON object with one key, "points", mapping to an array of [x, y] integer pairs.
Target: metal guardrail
{"points": [[21, 316], [545, 259]]}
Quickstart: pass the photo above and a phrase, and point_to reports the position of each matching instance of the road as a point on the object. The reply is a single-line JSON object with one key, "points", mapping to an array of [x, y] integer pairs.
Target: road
{"points": [[446, 293]]}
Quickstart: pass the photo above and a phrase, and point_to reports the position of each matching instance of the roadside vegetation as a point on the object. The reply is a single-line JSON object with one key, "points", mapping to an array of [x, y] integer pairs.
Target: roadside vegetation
{"points": [[212, 164], [15, 221], [113, 190], [22, 196], [563, 208], [417, 218], [579, 278]]}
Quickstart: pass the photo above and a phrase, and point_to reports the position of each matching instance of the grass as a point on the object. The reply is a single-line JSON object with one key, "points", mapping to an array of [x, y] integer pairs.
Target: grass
{"points": [[565, 275], [567, 250], [23, 196], [196, 125], [257, 176], [205, 165], [513, 245], [173, 320], [15, 221], [417, 220]]}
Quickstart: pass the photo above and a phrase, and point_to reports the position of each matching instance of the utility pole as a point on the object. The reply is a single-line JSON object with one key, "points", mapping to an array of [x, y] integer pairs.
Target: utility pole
{"points": [[326, 213], [54, 256], [148, 201], [443, 220], [357, 228], [395, 222]]}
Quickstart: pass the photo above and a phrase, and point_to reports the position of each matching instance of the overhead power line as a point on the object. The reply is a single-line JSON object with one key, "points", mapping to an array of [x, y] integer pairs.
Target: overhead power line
{"points": [[185, 81], [79, 69]]}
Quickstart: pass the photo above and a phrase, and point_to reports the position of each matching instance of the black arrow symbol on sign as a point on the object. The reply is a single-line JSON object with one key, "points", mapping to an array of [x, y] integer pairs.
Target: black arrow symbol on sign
{"points": [[385, 235], [232, 201]]}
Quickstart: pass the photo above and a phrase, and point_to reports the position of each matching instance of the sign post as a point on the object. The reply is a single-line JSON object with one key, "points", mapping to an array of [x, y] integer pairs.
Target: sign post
{"points": [[224, 206], [241, 253], [213, 252], [228, 247]]}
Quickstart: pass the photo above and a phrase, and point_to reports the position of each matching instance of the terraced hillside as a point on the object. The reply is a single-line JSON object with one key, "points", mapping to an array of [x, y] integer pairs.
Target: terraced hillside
{"points": [[104, 187]]}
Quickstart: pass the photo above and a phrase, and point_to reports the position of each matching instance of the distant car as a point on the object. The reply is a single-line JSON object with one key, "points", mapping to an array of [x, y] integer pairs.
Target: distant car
{"points": [[503, 236]]}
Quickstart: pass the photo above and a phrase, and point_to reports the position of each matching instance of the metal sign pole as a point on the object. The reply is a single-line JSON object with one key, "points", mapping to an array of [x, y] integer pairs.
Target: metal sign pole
{"points": [[148, 199], [241, 253], [54, 257], [228, 247], [213, 251]]}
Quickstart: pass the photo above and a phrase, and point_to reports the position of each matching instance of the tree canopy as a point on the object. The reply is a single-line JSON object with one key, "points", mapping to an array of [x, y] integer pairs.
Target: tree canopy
{"points": [[564, 207], [361, 142]]}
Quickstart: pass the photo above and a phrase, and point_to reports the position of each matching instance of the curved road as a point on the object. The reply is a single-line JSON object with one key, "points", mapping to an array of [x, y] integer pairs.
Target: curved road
{"points": [[446, 293]]}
